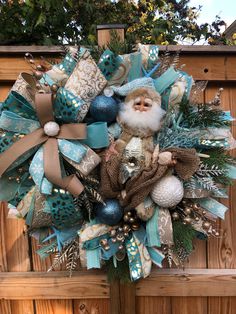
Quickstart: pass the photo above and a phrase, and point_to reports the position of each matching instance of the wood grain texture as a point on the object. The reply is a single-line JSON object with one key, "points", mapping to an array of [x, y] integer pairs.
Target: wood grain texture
{"points": [[191, 282], [4, 90], [222, 305], [95, 306], [153, 305], [17, 258], [5, 306], [222, 251], [104, 36], [42, 285], [189, 49], [48, 306]]}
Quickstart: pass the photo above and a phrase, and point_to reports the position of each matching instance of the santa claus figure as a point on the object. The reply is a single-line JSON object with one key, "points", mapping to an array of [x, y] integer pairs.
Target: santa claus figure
{"points": [[133, 164]]}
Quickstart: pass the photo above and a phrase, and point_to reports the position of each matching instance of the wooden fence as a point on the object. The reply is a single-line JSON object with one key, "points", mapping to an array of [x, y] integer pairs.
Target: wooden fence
{"points": [[206, 286]]}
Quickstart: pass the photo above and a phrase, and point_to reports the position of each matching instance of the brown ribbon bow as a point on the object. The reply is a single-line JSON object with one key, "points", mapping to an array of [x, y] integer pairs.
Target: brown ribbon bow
{"points": [[52, 168]]}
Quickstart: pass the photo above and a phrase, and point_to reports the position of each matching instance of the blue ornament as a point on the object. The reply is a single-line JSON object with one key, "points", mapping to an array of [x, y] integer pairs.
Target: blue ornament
{"points": [[109, 214], [104, 108]]}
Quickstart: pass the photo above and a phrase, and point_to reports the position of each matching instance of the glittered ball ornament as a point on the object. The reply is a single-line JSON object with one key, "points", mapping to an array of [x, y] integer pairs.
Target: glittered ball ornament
{"points": [[110, 213], [104, 109], [168, 192]]}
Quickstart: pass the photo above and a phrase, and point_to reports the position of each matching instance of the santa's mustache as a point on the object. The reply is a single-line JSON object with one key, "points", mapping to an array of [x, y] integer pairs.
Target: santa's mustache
{"points": [[150, 119]]}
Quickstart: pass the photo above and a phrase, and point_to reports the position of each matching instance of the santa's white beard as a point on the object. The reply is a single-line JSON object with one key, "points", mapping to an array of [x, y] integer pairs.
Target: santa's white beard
{"points": [[144, 120]]}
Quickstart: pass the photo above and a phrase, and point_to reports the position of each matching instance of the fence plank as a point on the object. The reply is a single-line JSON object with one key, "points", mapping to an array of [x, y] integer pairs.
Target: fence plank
{"points": [[48, 306], [5, 306], [16, 243], [166, 282], [95, 306]]}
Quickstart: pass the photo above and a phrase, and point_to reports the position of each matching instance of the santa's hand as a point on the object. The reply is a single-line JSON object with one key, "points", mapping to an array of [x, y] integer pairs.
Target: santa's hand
{"points": [[166, 159]]}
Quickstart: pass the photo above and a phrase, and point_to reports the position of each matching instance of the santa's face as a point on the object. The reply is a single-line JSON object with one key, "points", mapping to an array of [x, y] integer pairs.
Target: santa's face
{"points": [[142, 104], [142, 113]]}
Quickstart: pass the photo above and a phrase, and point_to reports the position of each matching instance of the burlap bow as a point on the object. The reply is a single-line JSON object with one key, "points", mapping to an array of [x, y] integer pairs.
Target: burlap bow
{"points": [[52, 168]]}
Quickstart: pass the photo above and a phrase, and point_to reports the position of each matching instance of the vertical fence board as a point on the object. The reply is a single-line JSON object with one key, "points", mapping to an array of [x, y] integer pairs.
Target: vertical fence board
{"points": [[94, 306], [48, 306], [198, 305], [222, 251], [17, 257], [5, 306]]}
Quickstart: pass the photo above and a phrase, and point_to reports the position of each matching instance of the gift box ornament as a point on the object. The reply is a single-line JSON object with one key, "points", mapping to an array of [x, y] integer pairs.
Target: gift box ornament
{"points": [[136, 191]]}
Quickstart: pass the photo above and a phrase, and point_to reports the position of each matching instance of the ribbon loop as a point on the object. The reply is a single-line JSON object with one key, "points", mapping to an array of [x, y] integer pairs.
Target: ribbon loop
{"points": [[51, 161]]}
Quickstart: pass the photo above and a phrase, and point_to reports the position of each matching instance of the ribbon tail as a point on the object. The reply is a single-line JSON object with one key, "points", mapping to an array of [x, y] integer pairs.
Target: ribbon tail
{"points": [[52, 169], [16, 150]]}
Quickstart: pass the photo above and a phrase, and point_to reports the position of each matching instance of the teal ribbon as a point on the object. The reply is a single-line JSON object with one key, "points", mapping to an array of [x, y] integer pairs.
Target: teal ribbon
{"points": [[165, 80], [56, 235], [72, 150], [231, 171], [47, 78], [67, 106], [36, 170], [136, 66], [67, 65], [97, 135], [93, 258], [95, 242], [135, 264], [13, 122], [19, 105], [213, 206], [227, 116], [153, 238], [156, 256], [152, 56], [30, 213], [109, 63], [189, 81]]}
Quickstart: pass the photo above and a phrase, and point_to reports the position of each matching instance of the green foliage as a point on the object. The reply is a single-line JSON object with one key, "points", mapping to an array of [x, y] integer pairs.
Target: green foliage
{"points": [[121, 272], [202, 116], [219, 158], [74, 21], [183, 237]]}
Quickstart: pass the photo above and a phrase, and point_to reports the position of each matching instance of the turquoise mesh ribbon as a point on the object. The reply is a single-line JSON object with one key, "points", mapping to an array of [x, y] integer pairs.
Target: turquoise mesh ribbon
{"points": [[153, 238], [213, 206]]}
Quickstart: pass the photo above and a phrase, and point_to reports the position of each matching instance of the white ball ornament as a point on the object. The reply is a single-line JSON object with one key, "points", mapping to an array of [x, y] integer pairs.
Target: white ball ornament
{"points": [[51, 128], [168, 192]]}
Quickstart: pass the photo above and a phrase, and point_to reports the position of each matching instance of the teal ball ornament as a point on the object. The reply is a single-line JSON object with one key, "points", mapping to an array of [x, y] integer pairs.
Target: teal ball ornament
{"points": [[104, 109], [110, 213]]}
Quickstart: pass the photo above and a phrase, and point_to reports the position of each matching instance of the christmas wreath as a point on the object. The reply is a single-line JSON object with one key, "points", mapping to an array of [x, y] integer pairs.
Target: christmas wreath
{"points": [[116, 163]]}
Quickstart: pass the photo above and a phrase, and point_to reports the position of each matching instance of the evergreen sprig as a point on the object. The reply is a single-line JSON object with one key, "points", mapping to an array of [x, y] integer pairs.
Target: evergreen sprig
{"points": [[202, 116], [183, 237]]}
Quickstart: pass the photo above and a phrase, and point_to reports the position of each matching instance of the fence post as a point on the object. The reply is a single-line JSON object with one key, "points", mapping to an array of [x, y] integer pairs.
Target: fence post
{"points": [[104, 33]]}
